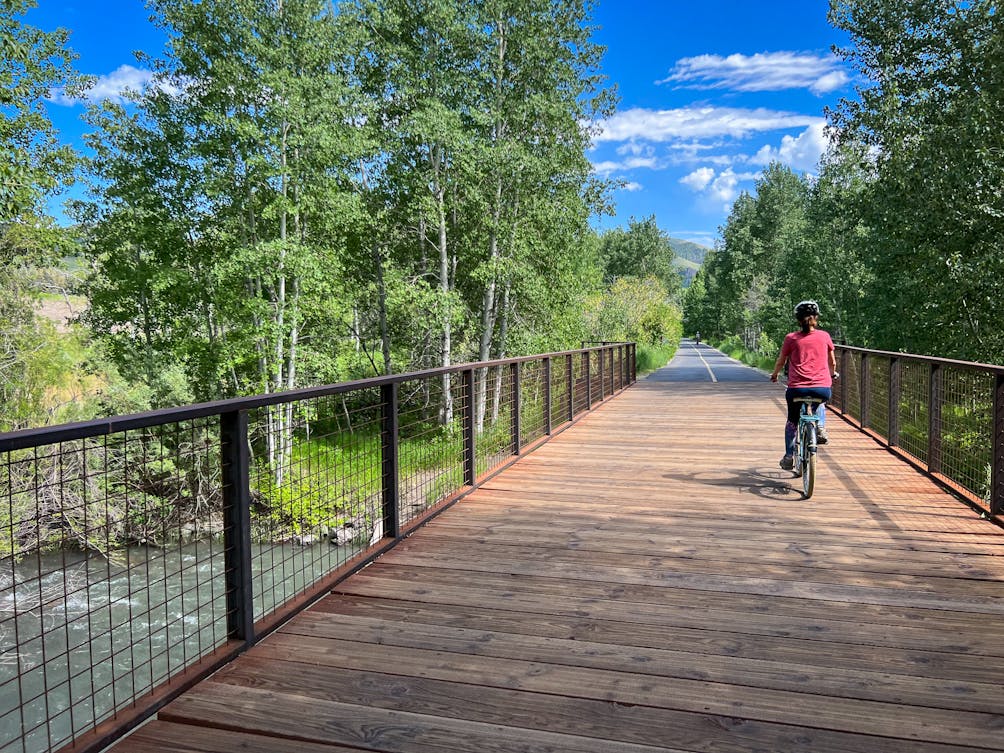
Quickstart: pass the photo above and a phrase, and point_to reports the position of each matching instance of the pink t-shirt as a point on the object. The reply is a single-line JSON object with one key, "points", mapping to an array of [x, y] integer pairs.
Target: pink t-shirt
{"points": [[808, 358]]}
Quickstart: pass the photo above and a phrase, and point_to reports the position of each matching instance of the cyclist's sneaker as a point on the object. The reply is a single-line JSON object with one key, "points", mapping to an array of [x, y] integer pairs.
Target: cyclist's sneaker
{"points": [[787, 462], [821, 436]]}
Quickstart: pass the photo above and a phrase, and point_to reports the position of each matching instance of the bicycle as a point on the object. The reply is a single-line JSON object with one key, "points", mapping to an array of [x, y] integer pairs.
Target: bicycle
{"points": [[805, 443]]}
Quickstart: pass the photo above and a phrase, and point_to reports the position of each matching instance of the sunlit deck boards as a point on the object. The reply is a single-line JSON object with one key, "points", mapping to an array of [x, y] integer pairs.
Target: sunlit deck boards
{"points": [[647, 581]]}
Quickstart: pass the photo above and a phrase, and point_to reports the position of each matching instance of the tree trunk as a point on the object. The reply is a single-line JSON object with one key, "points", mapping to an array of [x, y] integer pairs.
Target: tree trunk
{"points": [[503, 331], [439, 191]]}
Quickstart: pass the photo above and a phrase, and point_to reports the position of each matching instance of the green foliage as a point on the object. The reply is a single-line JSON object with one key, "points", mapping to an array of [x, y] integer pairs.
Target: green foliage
{"points": [[33, 63], [761, 358], [651, 357], [634, 309], [922, 162], [643, 250]]}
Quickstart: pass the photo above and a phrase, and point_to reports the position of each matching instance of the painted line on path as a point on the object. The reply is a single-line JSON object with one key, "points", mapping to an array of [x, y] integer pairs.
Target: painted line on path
{"points": [[706, 365]]}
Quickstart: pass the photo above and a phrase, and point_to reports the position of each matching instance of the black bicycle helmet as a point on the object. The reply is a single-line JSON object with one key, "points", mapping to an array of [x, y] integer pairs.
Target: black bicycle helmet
{"points": [[806, 308]]}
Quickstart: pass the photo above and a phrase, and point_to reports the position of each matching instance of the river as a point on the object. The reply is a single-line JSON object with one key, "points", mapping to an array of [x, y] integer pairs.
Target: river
{"points": [[81, 636]]}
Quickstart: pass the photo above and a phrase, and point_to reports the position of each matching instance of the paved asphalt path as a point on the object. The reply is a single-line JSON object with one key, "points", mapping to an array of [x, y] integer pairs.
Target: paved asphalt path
{"points": [[701, 363]]}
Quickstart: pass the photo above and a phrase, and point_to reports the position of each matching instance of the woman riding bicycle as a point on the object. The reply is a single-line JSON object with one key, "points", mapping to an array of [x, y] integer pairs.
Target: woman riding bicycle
{"points": [[812, 366]]}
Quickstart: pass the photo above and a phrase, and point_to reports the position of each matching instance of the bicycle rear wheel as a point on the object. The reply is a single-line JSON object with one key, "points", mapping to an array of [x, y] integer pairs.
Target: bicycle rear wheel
{"points": [[808, 461]]}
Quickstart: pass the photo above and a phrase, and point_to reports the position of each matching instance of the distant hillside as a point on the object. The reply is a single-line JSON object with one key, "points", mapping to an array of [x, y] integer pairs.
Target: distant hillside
{"points": [[689, 257], [690, 251]]}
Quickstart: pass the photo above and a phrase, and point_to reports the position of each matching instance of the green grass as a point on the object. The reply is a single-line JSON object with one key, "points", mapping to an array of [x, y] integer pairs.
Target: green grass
{"points": [[651, 357]]}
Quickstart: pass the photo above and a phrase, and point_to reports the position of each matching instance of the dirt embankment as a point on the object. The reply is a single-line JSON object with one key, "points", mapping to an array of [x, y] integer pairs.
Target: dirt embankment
{"points": [[61, 311]]}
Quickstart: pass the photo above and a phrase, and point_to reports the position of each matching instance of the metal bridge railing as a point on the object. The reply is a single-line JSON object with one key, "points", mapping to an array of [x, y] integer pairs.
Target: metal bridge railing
{"points": [[139, 553], [944, 416]]}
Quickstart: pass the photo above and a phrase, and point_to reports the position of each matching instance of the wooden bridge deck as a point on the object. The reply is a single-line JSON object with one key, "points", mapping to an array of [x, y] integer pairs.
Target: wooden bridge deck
{"points": [[648, 581]]}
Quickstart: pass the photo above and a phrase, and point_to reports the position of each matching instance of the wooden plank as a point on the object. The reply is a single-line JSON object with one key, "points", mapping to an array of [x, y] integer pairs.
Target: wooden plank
{"points": [[944, 665], [779, 673], [167, 737], [877, 558], [966, 578], [643, 725], [230, 707], [967, 596], [703, 532], [547, 585], [762, 620], [783, 707]]}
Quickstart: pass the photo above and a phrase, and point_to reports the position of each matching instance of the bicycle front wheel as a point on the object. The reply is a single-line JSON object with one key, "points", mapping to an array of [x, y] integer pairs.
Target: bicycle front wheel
{"points": [[808, 461], [808, 476]]}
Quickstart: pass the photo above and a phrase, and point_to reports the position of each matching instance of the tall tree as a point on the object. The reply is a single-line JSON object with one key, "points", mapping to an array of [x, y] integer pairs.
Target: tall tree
{"points": [[480, 172], [928, 114], [33, 167], [230, 238], [640, 250]]}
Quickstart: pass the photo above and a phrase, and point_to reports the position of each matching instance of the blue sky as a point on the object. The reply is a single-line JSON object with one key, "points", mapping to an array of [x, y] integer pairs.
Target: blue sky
{"points": [[710, 92]]}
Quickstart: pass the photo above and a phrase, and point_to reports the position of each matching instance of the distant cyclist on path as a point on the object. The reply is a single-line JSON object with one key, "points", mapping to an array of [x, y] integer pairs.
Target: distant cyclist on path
{"points": [[812, 367]]}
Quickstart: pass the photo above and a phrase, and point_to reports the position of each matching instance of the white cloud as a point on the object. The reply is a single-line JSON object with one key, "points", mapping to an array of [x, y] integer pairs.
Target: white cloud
{"points": [[636, 149], [632, 186], [699, 179], [800, 152], [765, 71], [828, 83], [724, 188], [717, 189], [109, 87], [631, 163], [702, 237], [697, 122]]}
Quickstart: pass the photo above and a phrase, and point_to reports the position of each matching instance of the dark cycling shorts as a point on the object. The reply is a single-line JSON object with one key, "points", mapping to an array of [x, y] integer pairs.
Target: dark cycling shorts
{"points": [[792, 392]]}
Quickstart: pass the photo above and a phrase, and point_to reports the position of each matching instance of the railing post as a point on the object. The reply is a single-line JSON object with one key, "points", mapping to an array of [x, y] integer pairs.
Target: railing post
{"points": [[389, 447], [547, 395], [997, 469], [470, 463], [865, 385], [517, 393], [895, 382], [934, 419], [589, 381], [634, 362], [570, 378], [235, 462]]}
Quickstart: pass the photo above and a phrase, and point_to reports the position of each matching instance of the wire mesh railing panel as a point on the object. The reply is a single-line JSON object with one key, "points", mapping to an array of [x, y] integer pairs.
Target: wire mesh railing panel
{"points": [[493, 434], [316, 482], [596, 364], [836, 401], [913, 408], [852, 385], [559, 391], [581, 367], [532, 402], [966, 430], [112, 575], [878, 395], [431, 453], [124, 554]]}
